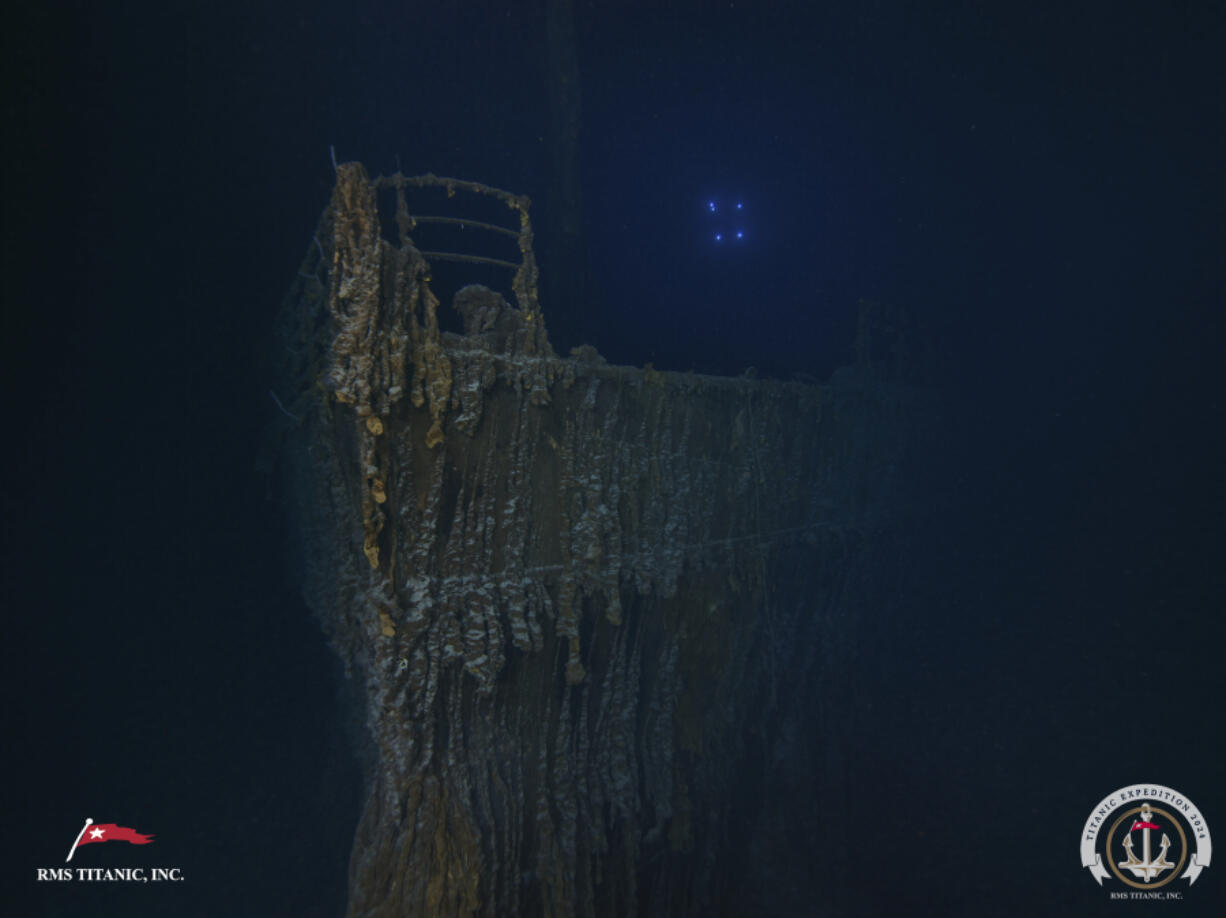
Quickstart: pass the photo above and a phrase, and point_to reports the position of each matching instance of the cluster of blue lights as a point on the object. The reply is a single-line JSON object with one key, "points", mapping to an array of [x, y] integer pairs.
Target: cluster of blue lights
{"points": [[728, 221]]}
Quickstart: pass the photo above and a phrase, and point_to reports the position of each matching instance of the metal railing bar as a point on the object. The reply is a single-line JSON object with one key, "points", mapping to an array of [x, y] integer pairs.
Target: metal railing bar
{"points": [[473, 259], [463, 223]]}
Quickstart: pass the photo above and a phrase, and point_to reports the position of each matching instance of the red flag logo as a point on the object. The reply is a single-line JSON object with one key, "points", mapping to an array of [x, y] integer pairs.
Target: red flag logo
{"points": [[106, 831], [1138, 824]]}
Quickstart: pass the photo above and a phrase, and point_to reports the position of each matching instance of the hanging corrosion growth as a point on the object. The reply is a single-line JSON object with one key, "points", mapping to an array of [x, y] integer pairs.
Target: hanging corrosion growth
{"points": [[587, 603]]}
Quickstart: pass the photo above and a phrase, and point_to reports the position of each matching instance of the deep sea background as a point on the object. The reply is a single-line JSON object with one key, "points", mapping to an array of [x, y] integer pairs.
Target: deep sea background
{"points": [[1040, 185]]}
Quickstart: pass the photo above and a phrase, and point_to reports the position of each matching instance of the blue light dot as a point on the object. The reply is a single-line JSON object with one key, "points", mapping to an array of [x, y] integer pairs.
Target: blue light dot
{"points": [[740, 206], [740, 234], [719, 237], [711, 206]]}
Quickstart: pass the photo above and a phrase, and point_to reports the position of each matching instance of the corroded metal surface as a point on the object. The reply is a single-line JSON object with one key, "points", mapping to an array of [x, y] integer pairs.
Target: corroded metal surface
{"points": [[581, 598]]}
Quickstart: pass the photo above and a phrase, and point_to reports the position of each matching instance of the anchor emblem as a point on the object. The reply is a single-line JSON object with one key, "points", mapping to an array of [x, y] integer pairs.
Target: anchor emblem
{"points": [[1145, 868]]}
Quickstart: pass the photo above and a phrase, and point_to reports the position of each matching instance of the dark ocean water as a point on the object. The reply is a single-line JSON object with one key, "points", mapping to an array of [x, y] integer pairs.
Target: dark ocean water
{"points": [[1038, 187]]}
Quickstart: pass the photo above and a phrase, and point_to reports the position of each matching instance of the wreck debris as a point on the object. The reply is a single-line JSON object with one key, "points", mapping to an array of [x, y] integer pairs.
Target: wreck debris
{"points": [[577, 595]]}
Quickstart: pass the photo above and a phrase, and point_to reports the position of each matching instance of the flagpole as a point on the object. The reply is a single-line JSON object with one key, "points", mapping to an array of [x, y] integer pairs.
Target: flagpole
{"points": [[72, 850]]}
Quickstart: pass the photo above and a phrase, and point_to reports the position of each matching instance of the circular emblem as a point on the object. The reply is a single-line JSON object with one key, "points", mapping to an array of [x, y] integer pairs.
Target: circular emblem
{"points": [[1146, 836]]}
